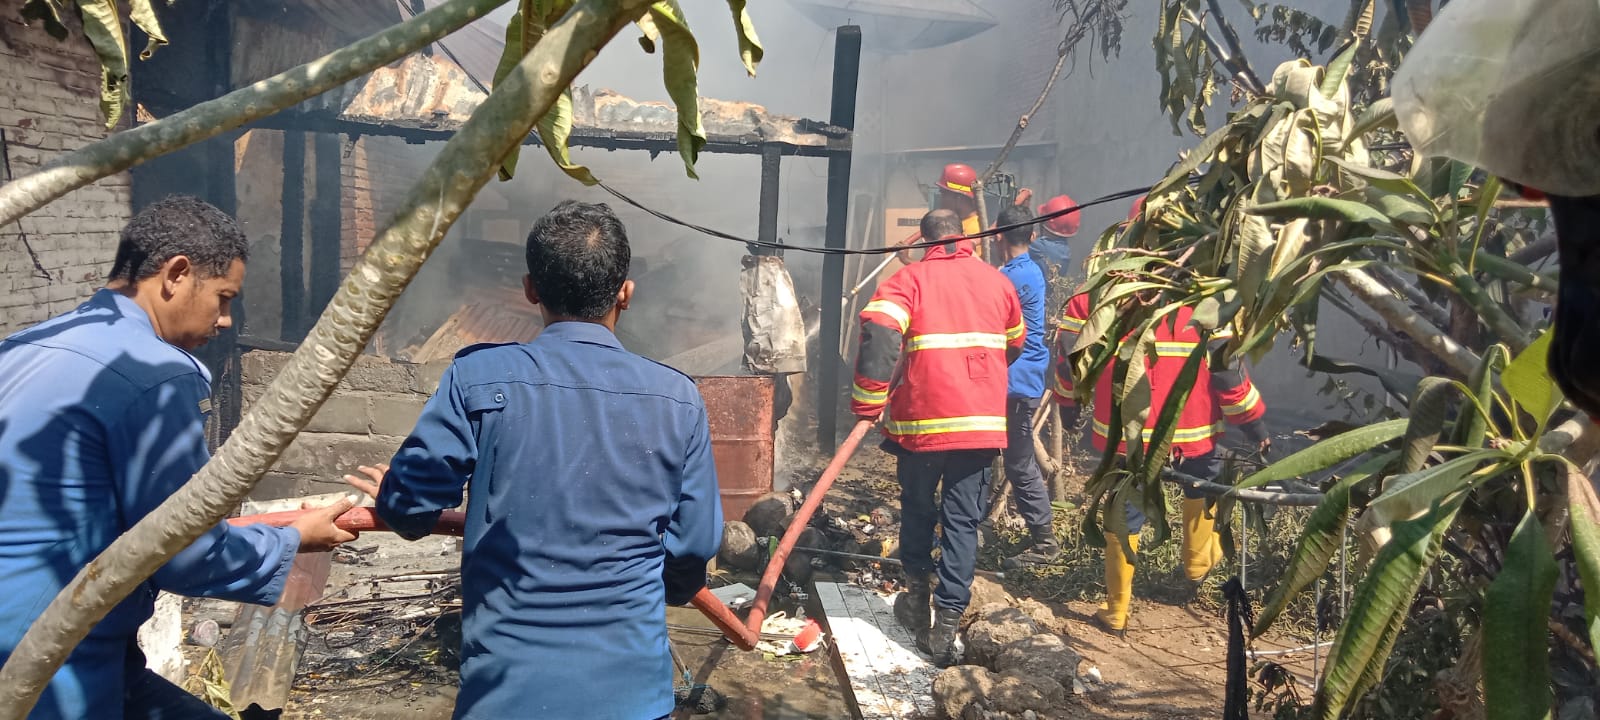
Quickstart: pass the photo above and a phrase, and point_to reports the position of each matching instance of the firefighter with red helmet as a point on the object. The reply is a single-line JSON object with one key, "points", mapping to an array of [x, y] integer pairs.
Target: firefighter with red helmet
{"points": [[1050, 248], [1220, 397], [957, 193], [936, 341]]}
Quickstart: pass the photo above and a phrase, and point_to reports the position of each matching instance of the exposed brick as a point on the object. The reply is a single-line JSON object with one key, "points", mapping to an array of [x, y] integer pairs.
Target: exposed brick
{"points": [[342, 413], [395, 414], [428, 375], [261, 366], [377, 374], [330, 455]]}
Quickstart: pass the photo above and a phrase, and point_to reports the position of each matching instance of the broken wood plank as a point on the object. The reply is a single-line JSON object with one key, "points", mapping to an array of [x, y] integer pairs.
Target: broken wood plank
{"points": [[889, 678]]}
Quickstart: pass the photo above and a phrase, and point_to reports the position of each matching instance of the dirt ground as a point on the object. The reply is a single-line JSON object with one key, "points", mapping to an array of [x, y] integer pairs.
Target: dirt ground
{"points": [[381, 642]]}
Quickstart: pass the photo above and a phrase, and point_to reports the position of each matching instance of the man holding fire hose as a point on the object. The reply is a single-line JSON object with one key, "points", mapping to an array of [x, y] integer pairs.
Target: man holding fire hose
{"points": [[956, 194], [936, 340], [594, 500], [1217, 396], [102, 417]]}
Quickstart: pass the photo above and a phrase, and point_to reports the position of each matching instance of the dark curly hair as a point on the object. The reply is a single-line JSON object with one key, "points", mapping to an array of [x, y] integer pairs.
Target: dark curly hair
{"points": [[1013, 215], [178, 225], [578, 259]]}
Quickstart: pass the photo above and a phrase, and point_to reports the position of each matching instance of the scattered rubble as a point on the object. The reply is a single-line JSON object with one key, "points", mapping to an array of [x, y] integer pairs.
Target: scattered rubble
{"points": [[964, 692], [1043, 655], [998, 626]]}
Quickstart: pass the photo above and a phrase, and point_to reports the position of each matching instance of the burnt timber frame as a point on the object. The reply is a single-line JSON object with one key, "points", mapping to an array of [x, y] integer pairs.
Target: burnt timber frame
{"points": [[838, 150]]}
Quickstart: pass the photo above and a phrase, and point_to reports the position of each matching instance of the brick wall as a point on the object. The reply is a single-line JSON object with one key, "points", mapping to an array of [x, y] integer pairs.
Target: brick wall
{"points": [[357, 209], [363, 422], [49, 103]]}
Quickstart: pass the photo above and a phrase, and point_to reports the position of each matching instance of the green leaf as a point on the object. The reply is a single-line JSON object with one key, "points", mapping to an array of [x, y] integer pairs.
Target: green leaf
{"points": [[1379, 610], [750, 50], [1338, 70], [1167, 422], [103, 25], [1254, 241], [1527, 379], [1471, 428], [1324, 531], [1327, 453], [1202, 153], [1379, 115], [648, 34], [680, 61], [554, 130], [1402, 210], [143, 15], [516, 29], [1516, 628], [1428, 410], [1407, 495], [1381, 179], [1585, 510], [1321, 208]]}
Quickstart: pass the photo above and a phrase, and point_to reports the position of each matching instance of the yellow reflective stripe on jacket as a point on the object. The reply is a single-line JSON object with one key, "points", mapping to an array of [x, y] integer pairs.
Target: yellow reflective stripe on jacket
{"points": [[1072, 324], [1250, 401], [1175, 348], [900, 314], [945, 341], [933, 426], [1181, 435], [869, 397], [1016, 332]]}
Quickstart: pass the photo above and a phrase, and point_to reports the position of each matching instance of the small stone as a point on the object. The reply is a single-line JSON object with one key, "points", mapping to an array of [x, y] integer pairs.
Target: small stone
{"points": [[739, 549], [1094, 675], [1078, 687], [205, 633]]}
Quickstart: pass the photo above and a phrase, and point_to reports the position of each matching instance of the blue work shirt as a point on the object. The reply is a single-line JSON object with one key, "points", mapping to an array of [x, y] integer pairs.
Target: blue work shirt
{"points": [[1027, 373], [100, 421], [1048, 249], [593, 500]]}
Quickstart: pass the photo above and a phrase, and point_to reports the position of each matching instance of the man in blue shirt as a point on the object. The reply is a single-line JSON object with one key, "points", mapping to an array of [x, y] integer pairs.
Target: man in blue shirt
{"points": [[1024, 391], [102, 416], [593, 500]]}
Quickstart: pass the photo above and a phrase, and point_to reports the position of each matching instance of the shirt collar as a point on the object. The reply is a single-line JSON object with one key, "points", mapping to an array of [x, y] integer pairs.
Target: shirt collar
{"points": [[1019, 261], [959, 248], [581, 332], [104, 299]]}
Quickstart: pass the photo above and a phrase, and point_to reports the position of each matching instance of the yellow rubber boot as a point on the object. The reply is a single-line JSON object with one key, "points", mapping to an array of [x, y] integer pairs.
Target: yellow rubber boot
{"points": [[1201, 547], [1113, 613]]}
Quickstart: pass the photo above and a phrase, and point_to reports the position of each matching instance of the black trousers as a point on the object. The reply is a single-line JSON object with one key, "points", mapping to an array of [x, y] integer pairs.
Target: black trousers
{"points": [[1022, 466], [148, 696], [949, 489]]}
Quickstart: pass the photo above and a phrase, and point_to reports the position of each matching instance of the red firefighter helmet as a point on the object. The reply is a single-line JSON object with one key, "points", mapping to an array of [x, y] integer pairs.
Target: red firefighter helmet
{"points": [[958, 178], [1138, 205], [1064, 226]]}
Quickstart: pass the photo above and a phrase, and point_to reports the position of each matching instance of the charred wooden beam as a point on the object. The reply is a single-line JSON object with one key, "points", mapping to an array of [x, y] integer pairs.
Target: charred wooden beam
{"points": [[325, 223], [846, 73], [291, 234]]}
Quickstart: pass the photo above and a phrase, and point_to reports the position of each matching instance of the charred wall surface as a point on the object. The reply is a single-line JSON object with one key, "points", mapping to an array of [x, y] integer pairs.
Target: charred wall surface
{"points": [[49, 104]]}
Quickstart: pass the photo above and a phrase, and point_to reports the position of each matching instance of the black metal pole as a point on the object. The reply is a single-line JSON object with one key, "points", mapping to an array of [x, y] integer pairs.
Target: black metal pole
{"points": [[846, 73], [325, 223], [292, 239], [767, 229]]}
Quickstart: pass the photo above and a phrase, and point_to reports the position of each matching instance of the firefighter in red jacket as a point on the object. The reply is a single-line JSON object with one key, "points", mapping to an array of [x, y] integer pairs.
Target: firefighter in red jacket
{"points": [[1219, 398], [936, 340]]}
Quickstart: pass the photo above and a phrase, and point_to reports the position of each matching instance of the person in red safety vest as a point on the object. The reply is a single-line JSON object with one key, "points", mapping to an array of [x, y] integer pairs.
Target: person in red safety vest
{"points": [[936, 341], [1219, 398]]}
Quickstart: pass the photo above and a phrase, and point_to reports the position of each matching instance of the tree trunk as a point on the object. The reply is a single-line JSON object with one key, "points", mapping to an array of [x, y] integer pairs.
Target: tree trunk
{"points": [[449, 184], [125, 149]]}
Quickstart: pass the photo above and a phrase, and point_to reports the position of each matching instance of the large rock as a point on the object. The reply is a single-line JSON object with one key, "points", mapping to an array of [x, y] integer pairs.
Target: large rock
{"points": [[997, 627], [969, 691], [1018, 694], [957, 688], [1043, 615], [985, 592], [739, 550], [770, 514], [1043, 655]]}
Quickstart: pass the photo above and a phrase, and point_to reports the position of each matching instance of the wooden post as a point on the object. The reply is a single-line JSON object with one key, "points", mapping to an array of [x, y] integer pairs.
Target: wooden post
{"points": [[292, 239]]}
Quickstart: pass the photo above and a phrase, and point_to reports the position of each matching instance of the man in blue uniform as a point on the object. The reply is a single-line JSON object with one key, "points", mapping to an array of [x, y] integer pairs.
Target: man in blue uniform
{"points": [[102, 416], [1024, 391], [593, 501]]}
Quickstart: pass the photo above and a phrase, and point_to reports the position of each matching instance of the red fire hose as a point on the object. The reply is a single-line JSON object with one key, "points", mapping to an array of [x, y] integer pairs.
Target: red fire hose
{"points": [[743, 635], [802, 517]]}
